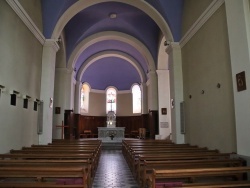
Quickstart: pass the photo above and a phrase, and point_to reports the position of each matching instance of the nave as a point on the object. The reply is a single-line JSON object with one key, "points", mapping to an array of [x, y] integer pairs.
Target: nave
{"points": [[113, 171], [140, 163]]}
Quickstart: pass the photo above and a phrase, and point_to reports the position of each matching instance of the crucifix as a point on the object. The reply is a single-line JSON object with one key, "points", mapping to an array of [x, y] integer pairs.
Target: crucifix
{"points": [[62, 126]]}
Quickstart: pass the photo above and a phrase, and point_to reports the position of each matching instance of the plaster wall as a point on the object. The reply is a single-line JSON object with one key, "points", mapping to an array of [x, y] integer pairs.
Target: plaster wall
{"points": [[192, 11], [238, 19], [97, 104], [36, 16], [20, 70], [210, 119], [125, 104]]}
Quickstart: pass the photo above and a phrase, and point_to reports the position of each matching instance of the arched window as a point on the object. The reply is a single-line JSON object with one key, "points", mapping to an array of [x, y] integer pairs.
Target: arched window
{"points": [[111, 100], [84, 99], [136, 91]]}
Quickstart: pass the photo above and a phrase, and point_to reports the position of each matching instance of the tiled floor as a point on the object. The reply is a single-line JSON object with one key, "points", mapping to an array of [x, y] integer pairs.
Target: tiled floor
{"points": [[113, 171]]}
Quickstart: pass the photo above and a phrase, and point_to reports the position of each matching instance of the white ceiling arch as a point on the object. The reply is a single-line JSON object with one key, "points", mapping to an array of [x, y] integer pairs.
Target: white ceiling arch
{"points": [[111, 35], [111, 53], [140, 4]]}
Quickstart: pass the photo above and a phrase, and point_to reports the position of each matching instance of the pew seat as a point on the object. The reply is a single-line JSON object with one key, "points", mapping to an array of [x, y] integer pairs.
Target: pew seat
{"points": [[48, 176], [193, 174]]}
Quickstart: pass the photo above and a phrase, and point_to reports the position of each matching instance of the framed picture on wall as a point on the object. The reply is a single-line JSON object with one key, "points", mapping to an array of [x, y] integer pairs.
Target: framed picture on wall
{"points": [[163, 111], [57, 110], [241, 81]]}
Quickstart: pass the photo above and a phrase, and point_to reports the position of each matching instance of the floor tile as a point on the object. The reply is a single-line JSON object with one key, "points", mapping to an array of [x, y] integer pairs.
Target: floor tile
{"points": [[113, 171]]}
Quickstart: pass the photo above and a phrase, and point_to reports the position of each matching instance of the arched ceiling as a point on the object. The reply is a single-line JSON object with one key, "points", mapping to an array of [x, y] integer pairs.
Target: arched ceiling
{"points": [[130, 20]]}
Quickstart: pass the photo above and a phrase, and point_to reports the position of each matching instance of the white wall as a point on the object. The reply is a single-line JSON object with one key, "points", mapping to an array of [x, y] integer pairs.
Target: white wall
{"points": [[20, 69], [210, 120], [238, 20]]}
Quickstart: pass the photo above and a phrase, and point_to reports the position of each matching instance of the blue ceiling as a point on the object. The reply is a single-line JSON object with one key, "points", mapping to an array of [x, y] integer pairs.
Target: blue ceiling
{"points": [[130, 20]]}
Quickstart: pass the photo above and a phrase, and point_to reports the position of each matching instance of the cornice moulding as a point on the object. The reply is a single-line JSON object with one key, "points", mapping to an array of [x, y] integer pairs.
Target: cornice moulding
{"points": [[51, 43], [212, 8], [22, 14]]}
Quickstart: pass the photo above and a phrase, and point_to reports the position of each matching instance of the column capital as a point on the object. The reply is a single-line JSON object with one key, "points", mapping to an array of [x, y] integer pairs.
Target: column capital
{"points": [[162, 71], [65, 70], [151, 73], [79, 83], [173, 46], [51, 43]]}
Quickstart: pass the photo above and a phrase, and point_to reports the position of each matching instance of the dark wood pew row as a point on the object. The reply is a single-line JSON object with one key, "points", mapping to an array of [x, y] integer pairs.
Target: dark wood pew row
{"points": [[42, 176], [147, 168], [135, 159], [225, 184], [173, 156], [86, 164], [179, 175], [74, 142], [134, 151], [55, 156]]}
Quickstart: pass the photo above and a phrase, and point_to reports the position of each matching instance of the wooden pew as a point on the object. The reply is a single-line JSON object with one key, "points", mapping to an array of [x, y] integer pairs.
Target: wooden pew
{"points": [[50, 156], [181, 174], [42, 175], [137, 159], [63, 154], [148, 166], [86, 164], [225, 184]]}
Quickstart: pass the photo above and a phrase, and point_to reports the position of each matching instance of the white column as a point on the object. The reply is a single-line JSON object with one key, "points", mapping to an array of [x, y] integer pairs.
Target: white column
{"points": [[78, 88], [164, 102], [152, 91], [47, 88], [176, 89], [238, 19], [62, 97], [144, 98]]}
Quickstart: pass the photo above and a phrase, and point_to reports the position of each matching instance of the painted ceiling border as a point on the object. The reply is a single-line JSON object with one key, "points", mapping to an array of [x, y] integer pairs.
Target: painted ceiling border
{"points": [[211, 9]]}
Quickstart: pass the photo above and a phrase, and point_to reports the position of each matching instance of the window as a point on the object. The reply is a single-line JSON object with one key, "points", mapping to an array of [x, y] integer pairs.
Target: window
{"points": [[111, 100], [136, 92], [84, 99]]}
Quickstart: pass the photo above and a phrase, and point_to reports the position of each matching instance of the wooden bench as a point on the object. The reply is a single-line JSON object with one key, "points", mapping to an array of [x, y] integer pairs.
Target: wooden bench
{"points": [[137, 159], [148, 166], [50, 156], [51, 163], [46, 176], [181, 174], [225, 184]]}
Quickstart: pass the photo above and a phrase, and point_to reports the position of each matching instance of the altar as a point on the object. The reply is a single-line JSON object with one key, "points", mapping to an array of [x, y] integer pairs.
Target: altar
{"points": [[111, 134]]}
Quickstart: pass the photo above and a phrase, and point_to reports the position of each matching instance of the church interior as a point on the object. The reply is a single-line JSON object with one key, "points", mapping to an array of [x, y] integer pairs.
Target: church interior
{"points": [[144, 77]]}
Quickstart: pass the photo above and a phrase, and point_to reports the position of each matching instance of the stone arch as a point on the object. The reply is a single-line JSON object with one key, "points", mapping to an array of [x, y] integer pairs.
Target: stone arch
{"points": [[140, 4], [111, 35], [104, 54]]}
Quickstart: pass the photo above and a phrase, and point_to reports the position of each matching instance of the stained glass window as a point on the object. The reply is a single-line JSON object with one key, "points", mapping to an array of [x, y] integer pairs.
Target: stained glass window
{"points": [[111, 100], [136, 91], [84, 99]]}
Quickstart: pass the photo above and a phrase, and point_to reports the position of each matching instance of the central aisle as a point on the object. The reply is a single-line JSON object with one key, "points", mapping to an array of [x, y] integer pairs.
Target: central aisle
{"points": [[113, 171]]}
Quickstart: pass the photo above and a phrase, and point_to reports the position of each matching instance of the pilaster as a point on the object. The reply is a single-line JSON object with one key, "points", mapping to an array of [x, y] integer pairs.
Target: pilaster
{"points": [[47, 88], [164, 103], [176, 89], [152, 91], [238, 19], [62, 96], [144, 98], [78, 87]]}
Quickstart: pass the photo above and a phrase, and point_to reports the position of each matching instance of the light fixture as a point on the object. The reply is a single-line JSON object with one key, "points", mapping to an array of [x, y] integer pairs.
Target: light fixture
{"points": [[26, 97], [112, 15]]}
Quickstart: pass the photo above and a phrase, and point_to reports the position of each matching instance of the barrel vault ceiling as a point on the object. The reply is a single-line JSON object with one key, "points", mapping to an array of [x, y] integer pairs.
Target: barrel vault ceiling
{"points": [[112, 60]]}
